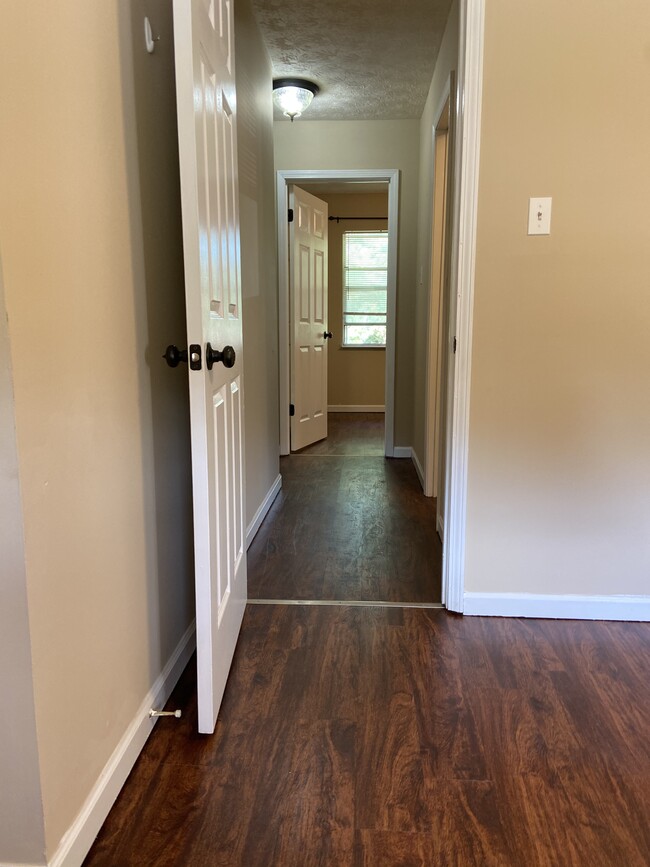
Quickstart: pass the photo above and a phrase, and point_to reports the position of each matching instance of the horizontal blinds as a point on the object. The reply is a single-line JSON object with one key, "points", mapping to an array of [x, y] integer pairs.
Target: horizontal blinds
{"points": [[365, 273]]}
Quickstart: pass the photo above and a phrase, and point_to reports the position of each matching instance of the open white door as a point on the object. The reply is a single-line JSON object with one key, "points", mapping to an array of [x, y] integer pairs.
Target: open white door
{"points": [[205, 83], [308, 301]]}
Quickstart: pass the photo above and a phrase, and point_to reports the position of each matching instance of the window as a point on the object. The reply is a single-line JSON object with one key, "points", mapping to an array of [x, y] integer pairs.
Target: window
{"points": [[365, 288]]}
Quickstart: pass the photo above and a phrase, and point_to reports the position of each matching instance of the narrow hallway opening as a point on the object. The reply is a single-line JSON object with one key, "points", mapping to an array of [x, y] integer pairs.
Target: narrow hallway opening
{"points": [[349, 525]]}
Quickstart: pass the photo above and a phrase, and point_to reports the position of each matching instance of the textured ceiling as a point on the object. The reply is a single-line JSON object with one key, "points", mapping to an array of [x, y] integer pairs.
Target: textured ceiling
{"points": [[372, 59]]}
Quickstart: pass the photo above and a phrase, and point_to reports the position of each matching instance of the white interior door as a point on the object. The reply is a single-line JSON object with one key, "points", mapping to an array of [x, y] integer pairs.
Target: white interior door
{"points": [[309, 332], [205, 82]]}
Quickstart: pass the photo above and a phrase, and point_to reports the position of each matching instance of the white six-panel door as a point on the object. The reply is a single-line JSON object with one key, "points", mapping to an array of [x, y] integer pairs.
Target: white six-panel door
{"points": [[205, 82], [308, 299]]}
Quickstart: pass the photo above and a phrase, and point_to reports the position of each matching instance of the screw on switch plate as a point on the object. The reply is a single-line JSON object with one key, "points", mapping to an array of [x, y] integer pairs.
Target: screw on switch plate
{"points": [[539, 215]]}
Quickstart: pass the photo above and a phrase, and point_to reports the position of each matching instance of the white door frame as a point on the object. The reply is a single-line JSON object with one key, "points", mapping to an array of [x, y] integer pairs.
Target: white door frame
{"points": [[433, 353], [466, 170], [284, 178]]}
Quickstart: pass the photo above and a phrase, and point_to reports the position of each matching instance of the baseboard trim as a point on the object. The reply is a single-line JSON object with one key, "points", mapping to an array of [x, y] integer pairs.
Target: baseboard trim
{"points": [[77, 841], [565, 607], [263, 511], [356, 408], [418, 467], [402, 451], [440, 526], [21, 864]]}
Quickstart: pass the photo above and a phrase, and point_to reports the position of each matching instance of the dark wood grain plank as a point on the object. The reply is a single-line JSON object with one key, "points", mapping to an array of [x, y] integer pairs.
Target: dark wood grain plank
{"points": [[351, 433], [355, 736], [466, 829], [347, 527]]}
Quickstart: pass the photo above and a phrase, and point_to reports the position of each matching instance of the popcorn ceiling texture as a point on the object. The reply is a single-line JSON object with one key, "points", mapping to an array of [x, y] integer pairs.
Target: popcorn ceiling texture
{"points": [[372, 59]]}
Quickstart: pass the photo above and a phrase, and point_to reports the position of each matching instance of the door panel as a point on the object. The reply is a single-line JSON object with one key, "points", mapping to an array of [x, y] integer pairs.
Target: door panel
{"points": [[308, 300], [208, 163]]}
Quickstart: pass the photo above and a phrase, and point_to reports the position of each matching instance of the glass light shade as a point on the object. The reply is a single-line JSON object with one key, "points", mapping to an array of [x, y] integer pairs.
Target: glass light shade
{"points": [[293, 97]]}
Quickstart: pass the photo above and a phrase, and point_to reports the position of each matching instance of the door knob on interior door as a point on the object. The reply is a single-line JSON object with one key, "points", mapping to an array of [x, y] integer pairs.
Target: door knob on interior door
{"points": [[213, 356], [173, 355], [327, 335]]}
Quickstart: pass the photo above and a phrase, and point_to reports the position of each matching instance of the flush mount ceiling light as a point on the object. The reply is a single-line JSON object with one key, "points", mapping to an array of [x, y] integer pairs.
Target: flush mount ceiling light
{"points": [[293, 95]]}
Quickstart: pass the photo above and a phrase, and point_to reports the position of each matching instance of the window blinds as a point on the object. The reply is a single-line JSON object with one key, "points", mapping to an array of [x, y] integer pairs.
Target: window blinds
{"points": [[365, 282]]}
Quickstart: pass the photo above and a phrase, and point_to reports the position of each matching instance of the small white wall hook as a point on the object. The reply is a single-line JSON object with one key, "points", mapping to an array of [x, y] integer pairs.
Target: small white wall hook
{"points": [[176, 713], [149, 39]]}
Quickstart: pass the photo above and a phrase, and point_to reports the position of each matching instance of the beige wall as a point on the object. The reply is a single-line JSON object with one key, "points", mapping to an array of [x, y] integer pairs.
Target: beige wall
{"points": [[22, 833], [446, 62], [90, 237], [259, 258], [356, 377], [389, 144], [559, 461]]}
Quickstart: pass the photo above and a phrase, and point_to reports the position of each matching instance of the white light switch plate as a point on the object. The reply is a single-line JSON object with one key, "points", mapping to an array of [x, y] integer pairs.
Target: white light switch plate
{"points": [[539, 215]]}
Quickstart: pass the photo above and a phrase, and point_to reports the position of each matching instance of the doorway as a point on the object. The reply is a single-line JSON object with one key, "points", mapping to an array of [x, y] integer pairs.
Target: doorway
{"points": [[349, 525], [356, 291], [326, 179]]}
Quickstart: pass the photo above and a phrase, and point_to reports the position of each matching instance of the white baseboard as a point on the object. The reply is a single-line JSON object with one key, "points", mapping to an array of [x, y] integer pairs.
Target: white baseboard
{"points": [[357, 408], [558, 607], [77, 841], [263, 510], [418, 467], [402, 451], [21, 864], [440, 526]]}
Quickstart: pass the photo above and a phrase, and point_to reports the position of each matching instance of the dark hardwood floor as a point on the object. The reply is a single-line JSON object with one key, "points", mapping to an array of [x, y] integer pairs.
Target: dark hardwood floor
{"points": [[374, 737], [348, 524]]}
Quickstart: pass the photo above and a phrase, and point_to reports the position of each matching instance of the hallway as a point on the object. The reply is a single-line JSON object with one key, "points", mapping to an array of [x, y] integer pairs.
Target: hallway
{"points": [[348, 524]]}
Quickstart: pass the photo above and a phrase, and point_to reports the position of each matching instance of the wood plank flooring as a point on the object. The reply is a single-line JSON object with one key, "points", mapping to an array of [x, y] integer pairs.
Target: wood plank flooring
{"points": [[348, 524], [374, 737]]}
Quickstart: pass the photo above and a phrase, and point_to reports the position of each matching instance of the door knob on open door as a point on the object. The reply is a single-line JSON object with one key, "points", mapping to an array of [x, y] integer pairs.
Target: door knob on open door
{"points": [[173, 355], [213, 356], [327, 335]]}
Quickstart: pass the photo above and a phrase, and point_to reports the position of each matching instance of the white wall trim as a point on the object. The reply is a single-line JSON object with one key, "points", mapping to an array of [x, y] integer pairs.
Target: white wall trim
{"points": [[418, 470], [284, 178], [77, 841], [21, 864], [263, 510], [567, 607], [402, 452], [466, 170], [356, 408], [440, 526]]}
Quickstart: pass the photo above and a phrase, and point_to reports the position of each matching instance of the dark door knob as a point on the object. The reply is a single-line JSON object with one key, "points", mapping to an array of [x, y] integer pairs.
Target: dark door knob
{"points": [[327, 335], [213, 356], [173, 355]]}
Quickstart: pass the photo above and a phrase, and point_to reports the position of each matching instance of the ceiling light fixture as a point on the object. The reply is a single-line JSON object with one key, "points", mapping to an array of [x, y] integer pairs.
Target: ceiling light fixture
{"points": [[293, 95]]}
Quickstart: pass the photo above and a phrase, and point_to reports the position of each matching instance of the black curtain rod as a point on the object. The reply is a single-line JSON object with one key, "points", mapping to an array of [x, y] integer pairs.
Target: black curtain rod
{"points": [[338, 219]]}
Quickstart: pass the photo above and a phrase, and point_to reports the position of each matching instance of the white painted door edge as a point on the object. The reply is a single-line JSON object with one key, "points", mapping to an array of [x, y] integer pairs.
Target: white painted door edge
{"points": [[290, 176], [432, 358], [466, 169]]}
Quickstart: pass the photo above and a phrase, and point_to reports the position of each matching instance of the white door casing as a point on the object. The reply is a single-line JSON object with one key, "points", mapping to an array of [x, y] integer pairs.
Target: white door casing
{"points": [[284, 179], [205, 83], [308, 301]]}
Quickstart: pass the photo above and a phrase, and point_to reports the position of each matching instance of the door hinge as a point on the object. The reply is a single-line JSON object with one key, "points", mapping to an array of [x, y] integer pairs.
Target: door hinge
{"points": [[290, 215], [454, 346], [292, 409]]}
